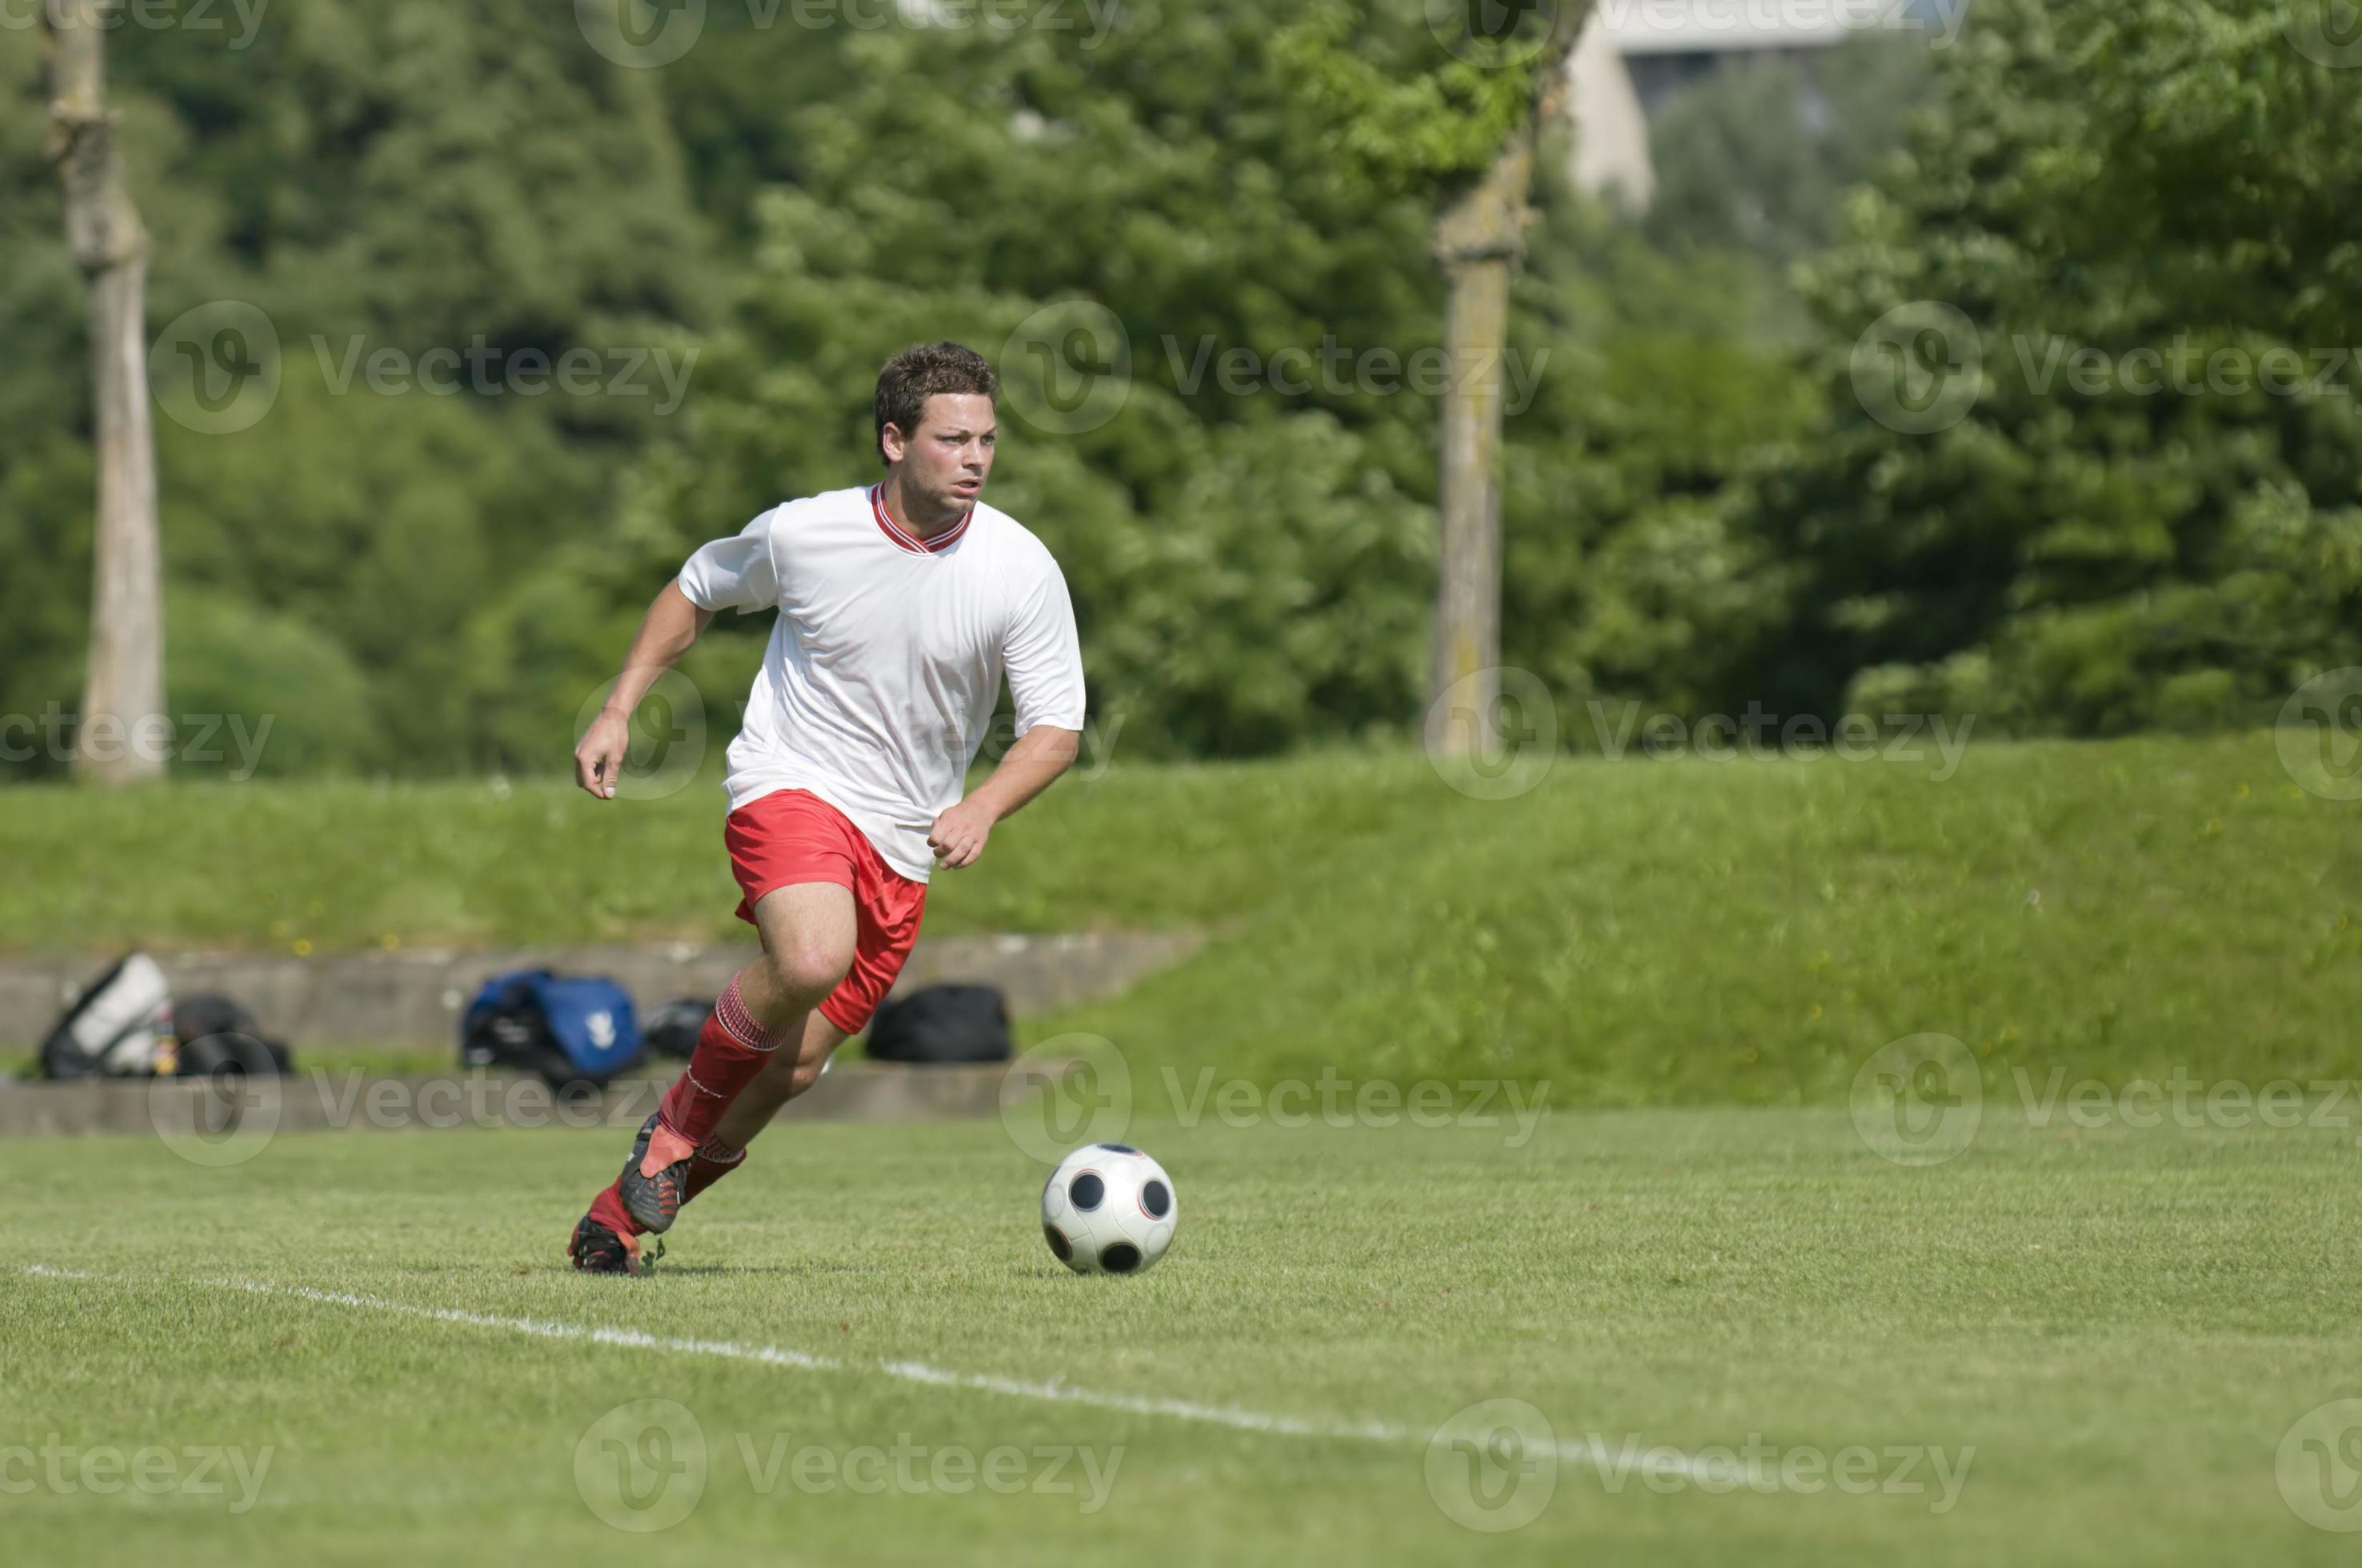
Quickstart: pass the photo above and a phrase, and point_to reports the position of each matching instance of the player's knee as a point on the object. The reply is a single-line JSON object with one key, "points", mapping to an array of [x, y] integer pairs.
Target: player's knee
{"points": [[809, 969], [787, 1074], [804, 1073]]}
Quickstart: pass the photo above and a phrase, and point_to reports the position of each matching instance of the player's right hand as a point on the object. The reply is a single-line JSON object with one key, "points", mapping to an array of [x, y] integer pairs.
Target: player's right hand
{"points": [[599, 758]]}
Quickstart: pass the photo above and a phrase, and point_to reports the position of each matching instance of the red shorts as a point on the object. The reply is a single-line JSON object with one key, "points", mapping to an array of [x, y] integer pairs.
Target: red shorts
{"points": [[793, 836]]}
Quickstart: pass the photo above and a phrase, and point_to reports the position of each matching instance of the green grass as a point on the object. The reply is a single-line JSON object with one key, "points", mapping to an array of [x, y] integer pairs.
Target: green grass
{"points": [[1631, 932], [2121, 1325], [347, 867], [1701, 933]]}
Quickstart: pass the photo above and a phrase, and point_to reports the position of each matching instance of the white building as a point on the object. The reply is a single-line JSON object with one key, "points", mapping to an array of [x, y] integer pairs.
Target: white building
{"points": [[1632, 53]]}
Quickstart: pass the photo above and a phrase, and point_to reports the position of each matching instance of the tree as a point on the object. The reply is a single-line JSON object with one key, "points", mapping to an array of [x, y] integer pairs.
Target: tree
{"points": [[123, 690], [372, 176], [1254, 565], [1455, 114], [2103, 488], [1479, 240], [1254, 560]]}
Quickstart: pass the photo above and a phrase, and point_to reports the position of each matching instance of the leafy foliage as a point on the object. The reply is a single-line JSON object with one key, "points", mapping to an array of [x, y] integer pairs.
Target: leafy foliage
{"points": [[1238, 204], [2133, 525]]}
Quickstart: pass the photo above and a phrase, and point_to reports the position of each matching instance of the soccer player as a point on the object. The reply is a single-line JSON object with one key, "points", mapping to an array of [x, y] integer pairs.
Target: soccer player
{"points": [[901, 606]]}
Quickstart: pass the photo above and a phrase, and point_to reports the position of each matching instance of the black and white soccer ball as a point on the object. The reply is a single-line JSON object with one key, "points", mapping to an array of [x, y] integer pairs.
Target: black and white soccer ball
{"points": [[1108, 1209]]}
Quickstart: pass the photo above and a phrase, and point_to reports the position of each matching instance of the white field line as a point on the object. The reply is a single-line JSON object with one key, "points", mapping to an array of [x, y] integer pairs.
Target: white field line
{"points": [[1589, 1450]]}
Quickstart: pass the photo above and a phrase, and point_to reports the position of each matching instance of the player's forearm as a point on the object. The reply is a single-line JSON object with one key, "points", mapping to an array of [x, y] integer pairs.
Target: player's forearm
{"points": [[1029, 766], [668, 630]]}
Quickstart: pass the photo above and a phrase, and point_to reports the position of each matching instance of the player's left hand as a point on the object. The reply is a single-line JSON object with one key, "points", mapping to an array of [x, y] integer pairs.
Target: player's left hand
{"points": [[959, 833]]}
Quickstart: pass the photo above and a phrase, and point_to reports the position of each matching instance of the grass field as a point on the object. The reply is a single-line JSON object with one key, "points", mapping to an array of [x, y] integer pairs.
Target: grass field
{"points": [[1636, 932], [1667, 1335], [2122, 1327]]}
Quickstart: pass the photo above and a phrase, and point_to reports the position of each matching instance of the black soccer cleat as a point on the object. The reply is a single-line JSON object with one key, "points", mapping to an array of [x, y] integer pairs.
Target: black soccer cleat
{"points": [[596, 1250], [654, 1200]]}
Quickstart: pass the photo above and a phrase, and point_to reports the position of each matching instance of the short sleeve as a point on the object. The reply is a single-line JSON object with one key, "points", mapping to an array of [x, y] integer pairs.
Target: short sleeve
{"points": [[734, 573], [1043, 657]]}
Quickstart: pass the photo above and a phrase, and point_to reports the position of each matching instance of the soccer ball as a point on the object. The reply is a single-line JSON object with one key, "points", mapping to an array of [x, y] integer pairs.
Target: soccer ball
{"points": [[1108, 1209]]}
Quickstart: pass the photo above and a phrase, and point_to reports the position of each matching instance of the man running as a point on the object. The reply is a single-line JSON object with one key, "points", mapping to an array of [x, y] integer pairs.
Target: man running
{"points": [[901, 606]]}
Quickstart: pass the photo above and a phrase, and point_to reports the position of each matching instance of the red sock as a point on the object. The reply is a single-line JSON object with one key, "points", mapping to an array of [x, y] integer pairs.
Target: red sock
{"points": [[609, 1211], [713, 1160], [731, 1049]]}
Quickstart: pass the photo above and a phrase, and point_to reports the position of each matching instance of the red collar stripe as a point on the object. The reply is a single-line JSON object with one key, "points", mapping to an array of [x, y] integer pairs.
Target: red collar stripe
{"points": [[909, 541]]}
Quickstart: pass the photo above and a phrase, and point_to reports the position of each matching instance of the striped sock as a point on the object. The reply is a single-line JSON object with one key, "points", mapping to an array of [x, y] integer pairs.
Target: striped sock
{"points": [[713, 1160], [731, 1049]]}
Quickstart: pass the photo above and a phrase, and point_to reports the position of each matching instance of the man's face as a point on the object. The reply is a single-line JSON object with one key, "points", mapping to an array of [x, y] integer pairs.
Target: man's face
{"points": [[948, 458]]}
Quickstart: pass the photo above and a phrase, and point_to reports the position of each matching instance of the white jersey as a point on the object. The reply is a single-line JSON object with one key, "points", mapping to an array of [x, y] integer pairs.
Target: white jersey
{"points": [[884, 666]]}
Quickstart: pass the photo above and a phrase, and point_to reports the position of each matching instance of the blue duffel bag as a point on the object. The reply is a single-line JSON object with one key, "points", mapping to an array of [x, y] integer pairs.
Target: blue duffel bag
{"points": [[578, 1029]]}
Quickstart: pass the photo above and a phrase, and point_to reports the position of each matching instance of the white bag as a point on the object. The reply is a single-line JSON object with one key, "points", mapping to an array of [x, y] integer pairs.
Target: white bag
{"points": [[113, 1029]]}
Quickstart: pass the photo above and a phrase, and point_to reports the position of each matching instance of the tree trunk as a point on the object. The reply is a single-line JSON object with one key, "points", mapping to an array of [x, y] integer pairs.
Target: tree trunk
{"points": [[1468, 572], [122, 735], [1480, 238]]}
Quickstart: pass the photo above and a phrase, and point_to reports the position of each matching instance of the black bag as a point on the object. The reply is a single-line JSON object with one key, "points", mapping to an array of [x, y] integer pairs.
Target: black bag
{"points": [[672, 1027], [940, 1024], [217, 1035]]}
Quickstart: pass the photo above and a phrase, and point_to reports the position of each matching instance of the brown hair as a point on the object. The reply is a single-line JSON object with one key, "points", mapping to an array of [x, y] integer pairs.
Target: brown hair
{"points": [[919, 372]]}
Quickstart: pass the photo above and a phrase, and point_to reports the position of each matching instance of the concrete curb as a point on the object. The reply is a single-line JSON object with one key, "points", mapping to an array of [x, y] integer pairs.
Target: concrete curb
{"points": [[414, 998], [210, 1123]]}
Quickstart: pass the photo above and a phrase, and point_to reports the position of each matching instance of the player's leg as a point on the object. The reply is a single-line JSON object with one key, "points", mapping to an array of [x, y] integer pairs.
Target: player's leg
{"points": [[788, 843], [808, 932], [784, 1076], [887, 910], [609, 1234]]}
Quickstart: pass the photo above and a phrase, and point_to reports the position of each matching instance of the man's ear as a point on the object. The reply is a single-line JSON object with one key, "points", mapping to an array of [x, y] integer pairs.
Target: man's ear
{"points": [[893, 440]]}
